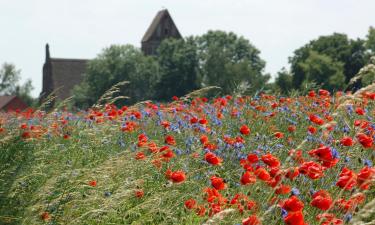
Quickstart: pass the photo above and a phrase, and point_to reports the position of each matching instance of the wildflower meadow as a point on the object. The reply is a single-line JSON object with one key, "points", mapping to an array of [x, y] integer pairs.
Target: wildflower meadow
{"points": [[262, 159]]}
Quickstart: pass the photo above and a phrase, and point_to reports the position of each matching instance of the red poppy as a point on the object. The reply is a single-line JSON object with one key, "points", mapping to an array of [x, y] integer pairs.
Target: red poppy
{"points": [[251, 220], [312, 169], [366, 141], [295, 218], [218, 183], [252, 158], [203, 139], [212, 158], [190, 203], [315, 119], [201, 210], [311, 94], [292, 173], [292, 128], [92, 183], [139, 193], [323, 92], [194, 120], [365, 177], [360, 111], [328, 219], [169, 139], [347, 141], [45, 216], [347, 179], [324, 154], [270, 160], [283, 189], [262, 174], [321, 200], [292, 204], [245, 130], [140, 156], [312, 129], [178, 176], [248, 178], [279, 135]]}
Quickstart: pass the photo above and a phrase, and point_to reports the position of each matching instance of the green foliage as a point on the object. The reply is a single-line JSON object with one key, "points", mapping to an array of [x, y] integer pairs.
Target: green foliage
{"points": [[178, 62], [9, 84], [284, 81], [116, 64], [339, 48], [370, 42], [227, 60], [322, 69]]}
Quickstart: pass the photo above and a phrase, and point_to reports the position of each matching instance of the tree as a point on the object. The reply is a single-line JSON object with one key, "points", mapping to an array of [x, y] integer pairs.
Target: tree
{"points": [[323, 70], [370, 42], [178, 63], [351, 53], [9, 83], [284, 81], [227, 60], [116, 64]]}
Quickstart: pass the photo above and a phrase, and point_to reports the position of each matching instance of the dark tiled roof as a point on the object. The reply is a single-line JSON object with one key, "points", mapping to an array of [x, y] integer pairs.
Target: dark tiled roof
{"points": [[154, 25], [66, 74], [4, 100]]}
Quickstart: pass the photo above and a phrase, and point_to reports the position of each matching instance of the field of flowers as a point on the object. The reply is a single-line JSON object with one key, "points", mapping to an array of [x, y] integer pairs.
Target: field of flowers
{"points": [[229, 160]]}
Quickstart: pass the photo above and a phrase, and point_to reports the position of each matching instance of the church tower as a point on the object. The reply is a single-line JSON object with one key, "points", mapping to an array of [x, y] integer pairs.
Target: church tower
{"points": [[162, 27]]}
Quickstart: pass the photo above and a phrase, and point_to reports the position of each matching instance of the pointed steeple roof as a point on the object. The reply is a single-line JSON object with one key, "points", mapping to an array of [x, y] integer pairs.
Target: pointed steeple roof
{"points": [[156, 22]]}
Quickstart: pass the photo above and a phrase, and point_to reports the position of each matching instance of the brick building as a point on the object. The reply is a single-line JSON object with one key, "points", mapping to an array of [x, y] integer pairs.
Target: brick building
{"points": [[60, 75]]}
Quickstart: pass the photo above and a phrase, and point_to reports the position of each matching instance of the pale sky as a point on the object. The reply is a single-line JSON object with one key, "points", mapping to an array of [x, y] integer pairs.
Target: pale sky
{"points": [[82, 28]]}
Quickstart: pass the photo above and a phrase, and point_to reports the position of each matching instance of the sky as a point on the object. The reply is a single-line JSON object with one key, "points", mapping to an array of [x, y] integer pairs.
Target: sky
{"points": [[82, 28]]}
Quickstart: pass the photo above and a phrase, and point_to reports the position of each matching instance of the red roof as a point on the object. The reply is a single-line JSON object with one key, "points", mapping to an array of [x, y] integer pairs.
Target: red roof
{"points": [[11, 102]]}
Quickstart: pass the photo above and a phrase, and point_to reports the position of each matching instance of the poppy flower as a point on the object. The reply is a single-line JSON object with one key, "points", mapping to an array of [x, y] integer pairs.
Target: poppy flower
{"points": [[245, 130], [311, 94], [321, 200], [292, 204], [194, 120], [360, 111], [262, 174], [251, 220], [270, 160], [292, 173], [324, 154], [365, 177], [316, 119], [45, 216], [139, 193], [312, 169], [217, 183], [140, 156], [347, 179], [252, 158], [212, 158], [291, 128], [178, 176], [190, 203], [283, 189], [366, 141], [295, 218], [346, 141], [169, 139], [92, 183], [203, 139], [200, 210], [329, 219], [323, 92], [279, 135], [311, 129], [248, 178]]}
